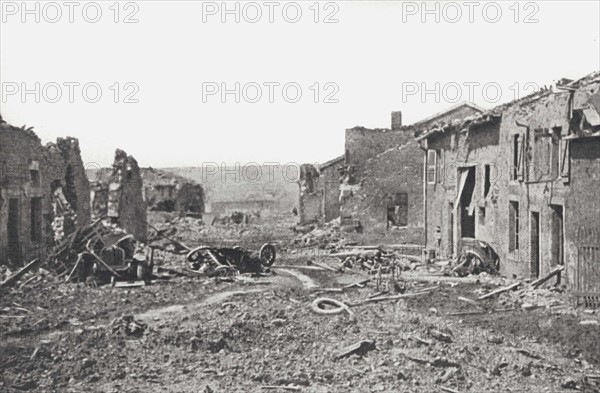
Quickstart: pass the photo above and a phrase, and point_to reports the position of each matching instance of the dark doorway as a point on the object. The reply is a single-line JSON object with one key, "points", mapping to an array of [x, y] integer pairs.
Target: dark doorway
{"points": [[535, 244], [467, 216], [14, 243], [557, 235]]}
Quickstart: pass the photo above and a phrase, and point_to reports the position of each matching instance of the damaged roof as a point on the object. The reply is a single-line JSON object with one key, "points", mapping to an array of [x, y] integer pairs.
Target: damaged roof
{"points": [[428, 120], [332, 162], [495, 114]]}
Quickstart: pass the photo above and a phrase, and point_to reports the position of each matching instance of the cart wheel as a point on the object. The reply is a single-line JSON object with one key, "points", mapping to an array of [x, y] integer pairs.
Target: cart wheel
{"points": [[267, 254]]}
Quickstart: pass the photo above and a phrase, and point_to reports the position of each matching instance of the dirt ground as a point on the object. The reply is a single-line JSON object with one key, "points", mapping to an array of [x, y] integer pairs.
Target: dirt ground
{"points": [[260, 335]]}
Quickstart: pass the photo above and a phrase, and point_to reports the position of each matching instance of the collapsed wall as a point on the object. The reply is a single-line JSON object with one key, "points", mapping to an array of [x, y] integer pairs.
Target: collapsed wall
{"points": [[126, 206], [381, 193], [319, 186], [167, 192], [44, 193]]}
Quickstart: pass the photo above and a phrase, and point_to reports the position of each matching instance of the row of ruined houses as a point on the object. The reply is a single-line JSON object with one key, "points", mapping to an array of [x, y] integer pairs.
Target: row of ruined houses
{"points": [[46, 194], [523, 177]]}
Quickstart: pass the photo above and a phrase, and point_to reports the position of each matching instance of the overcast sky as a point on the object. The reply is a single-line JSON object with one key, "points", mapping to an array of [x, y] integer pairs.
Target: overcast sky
{"points": [[374, 58]]}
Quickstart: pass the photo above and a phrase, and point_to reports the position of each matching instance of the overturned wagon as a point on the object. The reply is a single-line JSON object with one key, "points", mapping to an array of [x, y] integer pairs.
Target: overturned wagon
{"points": [[223, 261]]}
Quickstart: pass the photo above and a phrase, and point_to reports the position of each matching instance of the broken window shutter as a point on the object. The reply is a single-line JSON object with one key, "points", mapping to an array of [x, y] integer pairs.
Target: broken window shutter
{"points": [[521, 163], [565, 160], [440, 167], [431, 166]]}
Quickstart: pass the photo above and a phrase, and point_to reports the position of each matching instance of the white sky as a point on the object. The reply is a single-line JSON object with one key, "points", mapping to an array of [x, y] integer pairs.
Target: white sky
{"points": [[369, 54]]}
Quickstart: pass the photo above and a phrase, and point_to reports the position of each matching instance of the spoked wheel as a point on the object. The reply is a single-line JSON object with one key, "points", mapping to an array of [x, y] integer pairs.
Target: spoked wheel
{"points": [[267, 254]]}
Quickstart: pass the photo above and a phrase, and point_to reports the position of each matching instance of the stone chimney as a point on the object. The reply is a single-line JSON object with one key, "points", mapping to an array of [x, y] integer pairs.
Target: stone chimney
{"points": [[396, 120]]}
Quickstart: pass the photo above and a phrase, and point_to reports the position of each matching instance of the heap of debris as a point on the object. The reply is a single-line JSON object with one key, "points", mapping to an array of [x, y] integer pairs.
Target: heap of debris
{"points": [[328, 236]]}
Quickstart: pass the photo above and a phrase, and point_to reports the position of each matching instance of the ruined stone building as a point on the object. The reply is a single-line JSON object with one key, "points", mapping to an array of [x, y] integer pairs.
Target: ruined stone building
{"points": [[524, 177], [319, 199], [117, 194], [382, 195], [167, 192], [44, 193]]}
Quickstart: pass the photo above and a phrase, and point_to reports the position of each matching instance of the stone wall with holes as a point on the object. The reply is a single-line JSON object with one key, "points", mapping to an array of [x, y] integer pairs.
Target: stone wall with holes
{"points": [[556, 169], [398, 169], [28, 171], [126, 206], [319, 192]]}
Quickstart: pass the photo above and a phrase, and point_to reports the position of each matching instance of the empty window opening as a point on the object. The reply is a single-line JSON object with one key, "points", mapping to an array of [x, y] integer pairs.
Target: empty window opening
{"points": [[397, 210], [513, 226], [36, 219], [466, 202], [34, 177], [486, 181]]}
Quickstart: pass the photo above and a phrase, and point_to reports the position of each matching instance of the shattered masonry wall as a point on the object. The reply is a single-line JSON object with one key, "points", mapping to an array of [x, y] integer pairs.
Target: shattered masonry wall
{"points": [[126, 206], [319, 192], [492, 143], [164, 191], [329, 181], [396, 170], [29, 170], [379, 164], [309, 203]]}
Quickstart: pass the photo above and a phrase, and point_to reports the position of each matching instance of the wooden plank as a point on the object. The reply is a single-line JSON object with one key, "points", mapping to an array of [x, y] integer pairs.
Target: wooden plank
{"points": [[499, 291], [548, 276], [12, 280]]}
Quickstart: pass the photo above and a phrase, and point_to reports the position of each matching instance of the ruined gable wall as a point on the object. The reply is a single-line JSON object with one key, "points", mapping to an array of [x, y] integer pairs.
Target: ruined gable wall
{"points": [[309, 200], [126, 205], [190, 197], [71, 154], [397, 170], [18, 149], [21, 152], [329, 181]]}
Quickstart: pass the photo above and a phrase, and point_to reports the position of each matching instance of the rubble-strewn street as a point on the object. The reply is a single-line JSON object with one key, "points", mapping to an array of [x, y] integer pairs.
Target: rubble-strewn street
{"points": [[300, 196], [260, 333]]}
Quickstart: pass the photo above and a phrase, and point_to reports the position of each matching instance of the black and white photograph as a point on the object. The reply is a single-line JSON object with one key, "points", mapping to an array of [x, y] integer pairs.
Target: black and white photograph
{"points": [[305, 196]]}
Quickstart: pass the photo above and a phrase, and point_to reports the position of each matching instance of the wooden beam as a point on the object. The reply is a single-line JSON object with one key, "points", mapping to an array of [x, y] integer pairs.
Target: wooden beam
{"points": [[12, 280], [499, 291], [548, 276]]}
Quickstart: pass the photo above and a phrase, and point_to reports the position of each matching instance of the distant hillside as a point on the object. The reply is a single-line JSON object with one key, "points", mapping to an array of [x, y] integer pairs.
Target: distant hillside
{"points": [[278, 183]]}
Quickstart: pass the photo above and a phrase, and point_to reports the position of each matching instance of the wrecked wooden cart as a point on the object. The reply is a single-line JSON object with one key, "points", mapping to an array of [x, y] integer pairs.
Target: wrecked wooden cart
{"points": [[226, 261], [124, 260]]}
